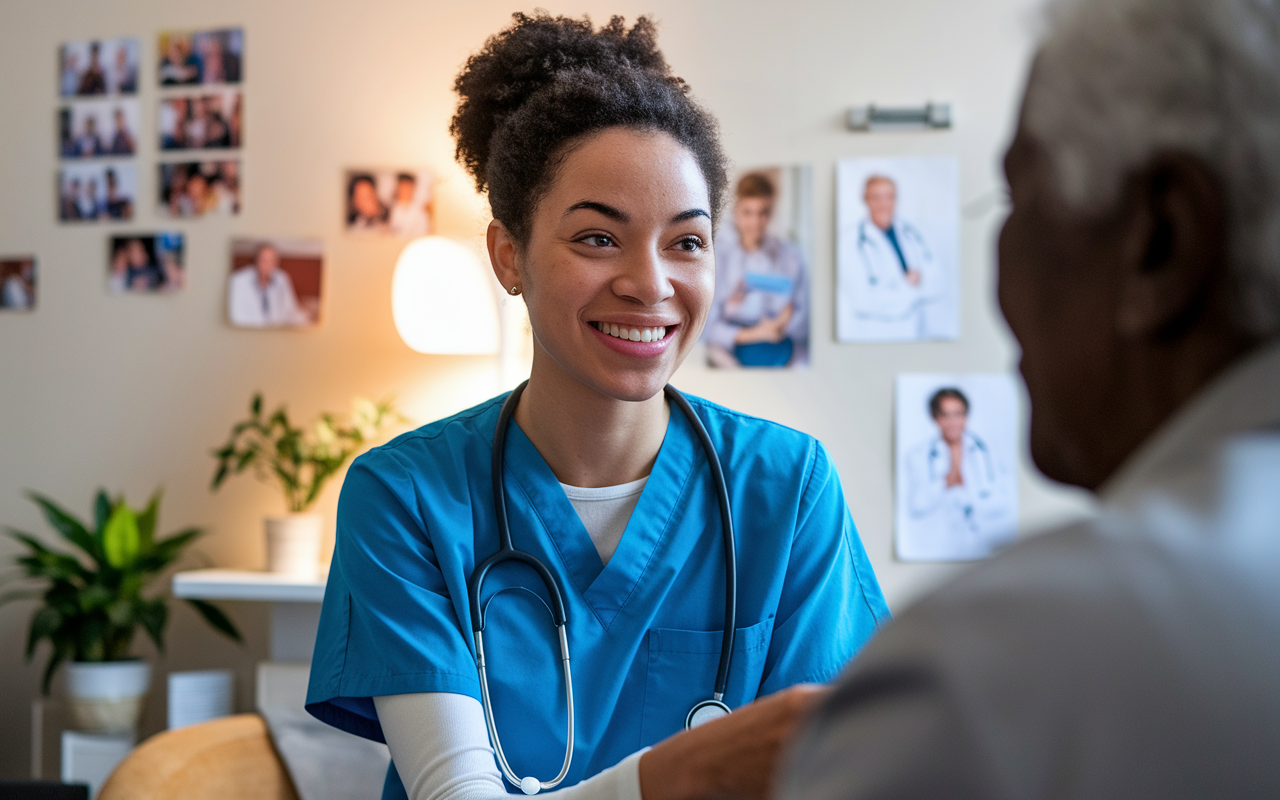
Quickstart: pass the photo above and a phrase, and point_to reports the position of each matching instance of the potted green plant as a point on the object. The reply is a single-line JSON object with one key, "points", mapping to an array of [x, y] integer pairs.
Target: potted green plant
{"points": [[93, 604], [299, 462]]}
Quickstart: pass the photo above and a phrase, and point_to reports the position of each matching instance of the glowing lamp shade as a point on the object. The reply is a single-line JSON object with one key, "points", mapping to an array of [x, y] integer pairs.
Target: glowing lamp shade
{"points": [[442, 299]]}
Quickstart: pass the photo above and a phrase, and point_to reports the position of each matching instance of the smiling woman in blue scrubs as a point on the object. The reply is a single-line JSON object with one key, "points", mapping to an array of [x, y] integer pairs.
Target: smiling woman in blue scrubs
{"points": [[605, 181]]}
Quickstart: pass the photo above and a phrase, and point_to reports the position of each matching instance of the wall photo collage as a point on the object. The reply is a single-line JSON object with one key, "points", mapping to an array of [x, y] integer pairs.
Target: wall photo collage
{"points": [[198, 132], [897, 258]]}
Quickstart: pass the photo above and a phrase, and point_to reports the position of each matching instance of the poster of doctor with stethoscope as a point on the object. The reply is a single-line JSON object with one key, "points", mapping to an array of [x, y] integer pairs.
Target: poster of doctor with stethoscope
{"points": [[957, 497], [897, 249]]}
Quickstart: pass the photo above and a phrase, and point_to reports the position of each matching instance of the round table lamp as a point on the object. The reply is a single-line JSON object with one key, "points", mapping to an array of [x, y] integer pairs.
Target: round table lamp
{"points": [[442, 299]]}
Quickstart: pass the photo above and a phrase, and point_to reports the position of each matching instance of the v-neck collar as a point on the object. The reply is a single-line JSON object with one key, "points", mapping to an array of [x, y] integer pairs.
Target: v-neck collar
{"points": [[604, 589]]}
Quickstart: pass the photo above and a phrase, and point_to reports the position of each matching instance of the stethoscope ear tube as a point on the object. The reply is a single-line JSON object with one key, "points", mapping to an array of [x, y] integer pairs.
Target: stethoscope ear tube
{"points": [[528, 785]]}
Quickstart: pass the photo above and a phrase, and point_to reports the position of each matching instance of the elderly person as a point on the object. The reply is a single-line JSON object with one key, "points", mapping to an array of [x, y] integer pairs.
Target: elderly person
{"points": [[1137, 655], [261, 295]]}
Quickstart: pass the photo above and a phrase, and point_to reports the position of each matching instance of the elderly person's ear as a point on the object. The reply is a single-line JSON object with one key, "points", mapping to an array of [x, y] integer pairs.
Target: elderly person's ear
{"points": [[1176, 247]]}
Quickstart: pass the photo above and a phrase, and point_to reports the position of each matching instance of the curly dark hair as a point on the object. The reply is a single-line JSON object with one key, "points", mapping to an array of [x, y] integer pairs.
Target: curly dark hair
{"points": [[539, 87]]}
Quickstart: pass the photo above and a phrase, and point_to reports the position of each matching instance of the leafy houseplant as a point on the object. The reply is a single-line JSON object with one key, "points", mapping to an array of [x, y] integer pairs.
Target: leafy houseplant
{"points": [[301, 461], [92, 597]]}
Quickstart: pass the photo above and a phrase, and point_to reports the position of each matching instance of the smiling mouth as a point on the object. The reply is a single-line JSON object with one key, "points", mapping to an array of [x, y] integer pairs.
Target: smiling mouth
{"points": [[631, 334]]}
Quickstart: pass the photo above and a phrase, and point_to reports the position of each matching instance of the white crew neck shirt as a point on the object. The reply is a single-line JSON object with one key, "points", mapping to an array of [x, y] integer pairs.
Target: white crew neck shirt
{"points": [[604, 512]]}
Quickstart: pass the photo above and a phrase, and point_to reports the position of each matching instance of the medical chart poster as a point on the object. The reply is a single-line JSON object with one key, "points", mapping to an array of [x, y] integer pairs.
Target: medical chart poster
{"points": [[760, 313], [956, 451], [897, 249]]}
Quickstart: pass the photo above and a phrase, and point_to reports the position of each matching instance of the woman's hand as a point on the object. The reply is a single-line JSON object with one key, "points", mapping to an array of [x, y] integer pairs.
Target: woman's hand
{"points": [[770, 330], [731, 757]]}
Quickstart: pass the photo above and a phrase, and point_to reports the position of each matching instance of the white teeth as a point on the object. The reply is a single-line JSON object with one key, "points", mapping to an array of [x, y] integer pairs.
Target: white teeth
{"points": [[632, 334]]}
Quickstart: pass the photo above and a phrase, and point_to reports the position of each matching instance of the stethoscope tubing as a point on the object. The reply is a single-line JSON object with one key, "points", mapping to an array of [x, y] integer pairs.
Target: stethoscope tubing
{"points": [[730, 549], [507, 552]]}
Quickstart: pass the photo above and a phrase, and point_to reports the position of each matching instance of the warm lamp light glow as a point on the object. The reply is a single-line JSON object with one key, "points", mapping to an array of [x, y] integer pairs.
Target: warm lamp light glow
{"points": [[442, 299]]}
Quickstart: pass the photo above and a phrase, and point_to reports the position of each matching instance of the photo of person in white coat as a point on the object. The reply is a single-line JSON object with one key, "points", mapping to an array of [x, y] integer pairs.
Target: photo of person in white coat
{"points": [[961, 503], [261, 294], [897, 249], [897, 268], [760, 312]]}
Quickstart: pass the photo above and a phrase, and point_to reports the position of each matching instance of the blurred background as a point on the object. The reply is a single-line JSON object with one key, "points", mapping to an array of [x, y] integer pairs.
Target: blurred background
{"points": [[132, 393]]}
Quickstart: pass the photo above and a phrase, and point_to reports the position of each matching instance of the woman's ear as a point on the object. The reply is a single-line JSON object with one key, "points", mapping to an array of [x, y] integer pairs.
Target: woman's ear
{"points": [[503, 255]]}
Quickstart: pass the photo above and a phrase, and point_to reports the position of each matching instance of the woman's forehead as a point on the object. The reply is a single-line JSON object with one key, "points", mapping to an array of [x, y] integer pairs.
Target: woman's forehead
{"points": [[636, 171]]}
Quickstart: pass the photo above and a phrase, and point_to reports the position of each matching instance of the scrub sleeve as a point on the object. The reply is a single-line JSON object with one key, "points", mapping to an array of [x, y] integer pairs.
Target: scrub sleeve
{"points": [[389, 624]]}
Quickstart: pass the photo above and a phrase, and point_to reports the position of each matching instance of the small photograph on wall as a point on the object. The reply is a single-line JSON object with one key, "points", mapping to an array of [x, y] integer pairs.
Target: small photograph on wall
{"points": [[97, 192], [210, 120], [147, 264], [760, 312], [389, 202], [275, 283], [200, 189], [897, 249], [98, 128], [17, 283], [98, 67], [957, 492], [189, 58]]}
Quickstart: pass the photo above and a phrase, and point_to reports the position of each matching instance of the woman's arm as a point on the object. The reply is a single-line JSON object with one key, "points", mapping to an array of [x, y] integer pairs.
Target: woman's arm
{"points": [[440, 747]]}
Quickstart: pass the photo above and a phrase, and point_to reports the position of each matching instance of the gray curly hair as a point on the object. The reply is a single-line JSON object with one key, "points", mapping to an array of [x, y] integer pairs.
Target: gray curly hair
{"points": [[1119, 81]]}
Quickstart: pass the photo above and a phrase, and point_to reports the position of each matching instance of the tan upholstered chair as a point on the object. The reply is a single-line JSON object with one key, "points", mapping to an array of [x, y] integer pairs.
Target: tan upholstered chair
{"points": [[223, 758]]}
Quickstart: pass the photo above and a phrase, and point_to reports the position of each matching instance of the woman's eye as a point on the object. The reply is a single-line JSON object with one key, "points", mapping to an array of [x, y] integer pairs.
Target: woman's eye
{"points": [[689, 244], [598, 240]]}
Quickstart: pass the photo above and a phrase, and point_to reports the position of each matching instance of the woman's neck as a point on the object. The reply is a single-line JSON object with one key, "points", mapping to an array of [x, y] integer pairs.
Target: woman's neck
{"points": [[589, 439]]}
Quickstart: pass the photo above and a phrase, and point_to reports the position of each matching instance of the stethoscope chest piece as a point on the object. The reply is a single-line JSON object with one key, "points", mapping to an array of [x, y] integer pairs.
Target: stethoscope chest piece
{"points": [[705, 711]]}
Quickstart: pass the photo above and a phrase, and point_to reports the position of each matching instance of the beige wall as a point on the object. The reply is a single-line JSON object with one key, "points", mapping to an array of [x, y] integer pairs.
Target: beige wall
{"points": [[132, 392]]}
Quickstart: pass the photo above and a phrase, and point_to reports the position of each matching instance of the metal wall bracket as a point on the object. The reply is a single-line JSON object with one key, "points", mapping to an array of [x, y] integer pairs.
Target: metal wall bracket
{"points": [[932, 116]]}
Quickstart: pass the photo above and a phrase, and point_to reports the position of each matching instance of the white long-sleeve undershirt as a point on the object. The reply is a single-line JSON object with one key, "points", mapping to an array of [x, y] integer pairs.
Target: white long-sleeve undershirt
{"points": [[440, 747]]}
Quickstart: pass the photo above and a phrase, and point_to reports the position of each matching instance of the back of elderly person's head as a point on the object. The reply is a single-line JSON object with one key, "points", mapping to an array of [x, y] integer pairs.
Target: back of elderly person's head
{"points": [[1118, 82]]}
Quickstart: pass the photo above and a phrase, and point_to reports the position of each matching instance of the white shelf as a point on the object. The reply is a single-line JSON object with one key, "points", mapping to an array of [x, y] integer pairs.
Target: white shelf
{"points": [[238, 584]]}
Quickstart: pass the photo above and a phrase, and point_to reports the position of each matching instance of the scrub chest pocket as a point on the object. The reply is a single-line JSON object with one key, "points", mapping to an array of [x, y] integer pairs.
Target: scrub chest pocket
{"points": [[682, 671]]}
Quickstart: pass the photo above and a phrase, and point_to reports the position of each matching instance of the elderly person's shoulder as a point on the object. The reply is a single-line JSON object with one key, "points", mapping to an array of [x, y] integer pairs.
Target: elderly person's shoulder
{"points": [[1121, 657]]}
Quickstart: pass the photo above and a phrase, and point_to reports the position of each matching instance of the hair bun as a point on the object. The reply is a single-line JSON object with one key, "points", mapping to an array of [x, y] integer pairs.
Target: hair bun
{"points": [[529, 56]]}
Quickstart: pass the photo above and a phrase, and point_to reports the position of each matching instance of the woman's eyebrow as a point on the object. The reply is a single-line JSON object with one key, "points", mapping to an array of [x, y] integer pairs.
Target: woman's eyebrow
{"points": [[600, 208], [690, 214]]}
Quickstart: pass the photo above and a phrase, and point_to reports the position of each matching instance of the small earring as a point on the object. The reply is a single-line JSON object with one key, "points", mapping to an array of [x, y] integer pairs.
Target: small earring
{"points": [[514, 290]]}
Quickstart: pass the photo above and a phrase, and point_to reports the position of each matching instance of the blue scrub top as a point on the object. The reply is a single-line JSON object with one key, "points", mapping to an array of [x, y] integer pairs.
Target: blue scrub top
{"points": [[416, 515]]}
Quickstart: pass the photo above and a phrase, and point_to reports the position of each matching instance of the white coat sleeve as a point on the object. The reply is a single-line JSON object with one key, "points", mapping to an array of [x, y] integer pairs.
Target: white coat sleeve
{"points": [[720, 331], [925, 491], [290, 312], [440, 747], [244, 304]]}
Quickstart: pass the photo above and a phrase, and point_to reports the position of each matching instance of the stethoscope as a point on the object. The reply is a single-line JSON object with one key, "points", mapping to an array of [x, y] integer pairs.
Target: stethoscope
{"points": [[701, 712]]}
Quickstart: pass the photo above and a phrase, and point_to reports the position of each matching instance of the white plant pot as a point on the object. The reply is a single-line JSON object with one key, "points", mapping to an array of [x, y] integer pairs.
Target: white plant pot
{"points": [[293, 545], [106, 696]]}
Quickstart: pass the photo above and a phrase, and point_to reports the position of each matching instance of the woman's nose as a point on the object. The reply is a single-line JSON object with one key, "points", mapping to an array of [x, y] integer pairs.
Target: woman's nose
{"points": [[644, 278]]}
